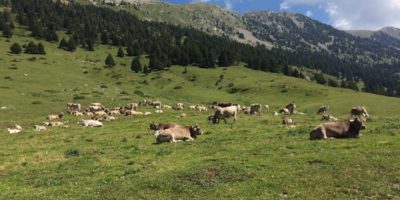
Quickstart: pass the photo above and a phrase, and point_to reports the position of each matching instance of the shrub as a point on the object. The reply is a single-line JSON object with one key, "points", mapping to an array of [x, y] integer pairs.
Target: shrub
{"points": [[71, 153]]}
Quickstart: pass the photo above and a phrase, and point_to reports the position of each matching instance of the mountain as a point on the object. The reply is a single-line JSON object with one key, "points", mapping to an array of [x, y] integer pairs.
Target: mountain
{"points": [[388, 36]]}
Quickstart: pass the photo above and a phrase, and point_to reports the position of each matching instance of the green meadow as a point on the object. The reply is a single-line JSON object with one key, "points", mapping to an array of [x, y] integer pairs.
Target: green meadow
{"points": [[255, 158]]}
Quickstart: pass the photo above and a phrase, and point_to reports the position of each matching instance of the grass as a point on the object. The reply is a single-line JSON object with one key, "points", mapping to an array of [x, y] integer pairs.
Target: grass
{"points": [[257, 158]]}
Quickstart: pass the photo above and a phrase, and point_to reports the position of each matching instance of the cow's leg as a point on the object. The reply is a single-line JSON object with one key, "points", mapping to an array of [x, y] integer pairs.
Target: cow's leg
{"points": [[323, 131], [225, 120]]}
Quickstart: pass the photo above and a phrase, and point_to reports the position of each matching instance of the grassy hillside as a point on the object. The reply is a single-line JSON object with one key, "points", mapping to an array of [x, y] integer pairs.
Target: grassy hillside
{"points": [[257, 158]]}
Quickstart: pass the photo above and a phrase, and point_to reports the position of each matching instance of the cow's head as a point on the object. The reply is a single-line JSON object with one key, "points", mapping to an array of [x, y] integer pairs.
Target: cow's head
{"points": [[356, 125], [195, 130]]}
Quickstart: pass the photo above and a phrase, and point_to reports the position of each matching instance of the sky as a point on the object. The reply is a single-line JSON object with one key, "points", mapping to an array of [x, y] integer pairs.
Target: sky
{"points": [[342, 14]]}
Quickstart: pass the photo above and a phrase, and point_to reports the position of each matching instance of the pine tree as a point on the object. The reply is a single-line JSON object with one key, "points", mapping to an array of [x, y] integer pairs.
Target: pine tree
{"points": [[31, 48], [40, 49], [120, 52], [63, 44], [7, 32], [109, 61], [136, 65], [15, 48]]}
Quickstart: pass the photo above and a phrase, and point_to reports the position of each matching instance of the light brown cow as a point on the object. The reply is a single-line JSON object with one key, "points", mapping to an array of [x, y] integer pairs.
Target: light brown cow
{"points": [[287, 120], [343, 129], [224, 113], [359, 111], [178, 133], [73, 107], [53, 117]]}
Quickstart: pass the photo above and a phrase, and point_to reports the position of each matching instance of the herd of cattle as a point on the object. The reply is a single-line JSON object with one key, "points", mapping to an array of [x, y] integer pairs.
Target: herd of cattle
{"points": [[96, 114]]}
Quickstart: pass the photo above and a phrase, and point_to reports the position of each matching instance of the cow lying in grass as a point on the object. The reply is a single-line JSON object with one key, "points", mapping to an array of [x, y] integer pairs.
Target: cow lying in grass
{"points": [[343, 129], [178, 133]]}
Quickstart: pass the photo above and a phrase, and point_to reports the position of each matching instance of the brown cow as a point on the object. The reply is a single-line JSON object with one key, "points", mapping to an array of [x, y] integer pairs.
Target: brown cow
{"points": [[359, 111], [291, 107], [178, 133], [224, 113], [343, 129], [323, 110]]}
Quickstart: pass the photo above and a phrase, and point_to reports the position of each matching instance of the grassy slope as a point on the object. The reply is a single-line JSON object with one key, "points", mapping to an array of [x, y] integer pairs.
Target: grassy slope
{"points": [[258, 158]]}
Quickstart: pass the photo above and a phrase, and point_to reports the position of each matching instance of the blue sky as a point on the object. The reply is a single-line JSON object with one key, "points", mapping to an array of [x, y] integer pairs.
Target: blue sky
{"points": [[342, 14]]}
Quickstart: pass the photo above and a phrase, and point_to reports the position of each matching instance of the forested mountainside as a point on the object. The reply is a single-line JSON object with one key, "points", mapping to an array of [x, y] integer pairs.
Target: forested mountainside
{"points": [[167, 44]]}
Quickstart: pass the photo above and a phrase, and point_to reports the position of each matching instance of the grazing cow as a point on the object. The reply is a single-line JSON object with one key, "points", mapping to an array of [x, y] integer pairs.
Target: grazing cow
{"points": [[246, 110], [291, 107], [192, 107], [90, 123], [179, 106], [40, 128], [328, 117], [160, 126], [323, 110], [287, 120], [266, 108], [343, 129], [224, 113], [15, 130], [255, 109], [53, 117], [178, 133], [359, 111], [132, 106], [73, 107]]}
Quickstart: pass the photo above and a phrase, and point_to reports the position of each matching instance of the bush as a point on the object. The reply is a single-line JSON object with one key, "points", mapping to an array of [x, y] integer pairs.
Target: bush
{"points": [[71, 153], [15, 48]]}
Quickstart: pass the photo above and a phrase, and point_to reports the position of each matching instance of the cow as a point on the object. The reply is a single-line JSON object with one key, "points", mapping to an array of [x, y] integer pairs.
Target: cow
{"points": [[95, 108], [359, 111], [201, 108], [183, 115], [146, 113], [54, 124], [342, 129], [179, 106], [53, 117], [287, 120], [291, 107], [90, 123], [266, 108], [284, 111], [255, 109], [156, 104], [224, 113], [73, 107], [132, 106], [166, 107], [39, 128], [323, 110], [192, 107], [159, 111], [114, 112], [178, 133], [15, 130], [76, 113], [132, 113]]}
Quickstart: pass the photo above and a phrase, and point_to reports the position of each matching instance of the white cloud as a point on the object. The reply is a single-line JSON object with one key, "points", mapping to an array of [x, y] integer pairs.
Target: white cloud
{"points": [[355, 14], [309, 13]]}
